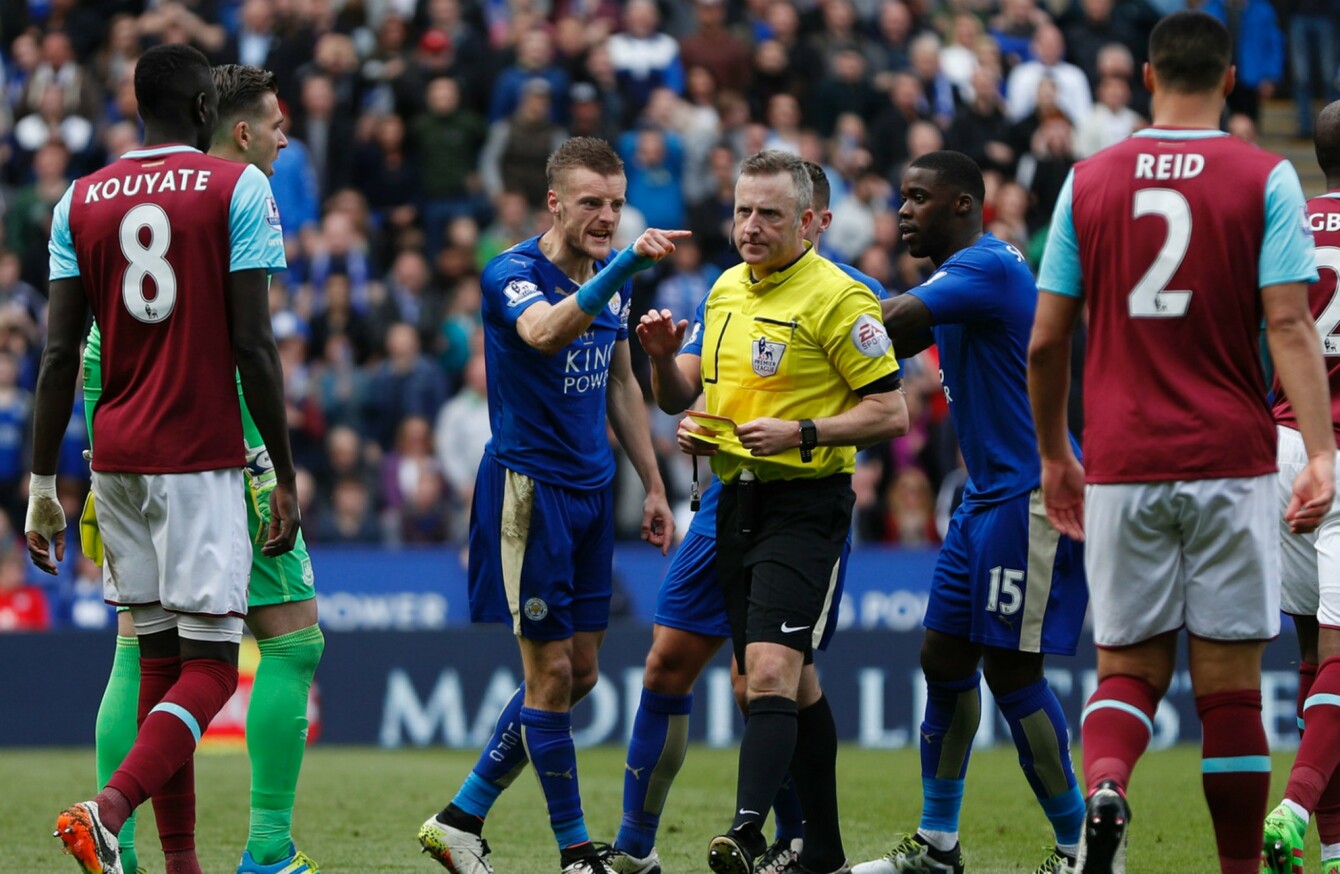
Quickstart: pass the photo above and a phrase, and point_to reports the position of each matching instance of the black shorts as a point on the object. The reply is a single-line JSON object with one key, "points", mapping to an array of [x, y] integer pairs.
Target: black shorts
{"points": [[780, 580]]}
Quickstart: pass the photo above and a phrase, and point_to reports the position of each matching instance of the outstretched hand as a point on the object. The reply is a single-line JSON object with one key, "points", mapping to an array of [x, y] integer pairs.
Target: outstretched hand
{"points": [[660, 335]]}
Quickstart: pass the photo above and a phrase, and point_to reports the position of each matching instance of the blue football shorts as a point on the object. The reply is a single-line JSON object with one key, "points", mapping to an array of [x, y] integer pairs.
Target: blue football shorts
{"points": [[1006, 578], [541, 556]]}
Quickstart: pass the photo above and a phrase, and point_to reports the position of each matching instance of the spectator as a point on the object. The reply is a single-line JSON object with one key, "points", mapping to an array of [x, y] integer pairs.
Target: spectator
{"points": [[514, 155], [384, 67], [1072, 86], [342, 248], [348, 519], [1044, 169], [387, 177], [938, 93], [895, 28], [980, 128], [295, 186], [327, 133], [513, 222], [58, 66], [14, 292], [1111, 121], [447, 140], [888, 132], [1258, 51], [535, 60], [28, 216], [655, 171], [336, 316], [1096, 27], [406, 466], [255, 37], [1312, 57], [846, 90], [839, 31], [301, 402], [436, 56], [687, 282], [1014, 28], [644, 59], [404, 384], [23, 606], [51, 122], [958, 58], [587, 115], [459, 328], [122, 48], [804, 61], [460, 436], [714, 47], [1242, 127], [911, 504], [710, 220], [16, 407], [853, 227], [412, 296]]}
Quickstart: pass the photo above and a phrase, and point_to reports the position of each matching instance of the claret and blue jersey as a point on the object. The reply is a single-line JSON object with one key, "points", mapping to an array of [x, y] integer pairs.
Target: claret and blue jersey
{"points": [[982, 301], [547, 412]]}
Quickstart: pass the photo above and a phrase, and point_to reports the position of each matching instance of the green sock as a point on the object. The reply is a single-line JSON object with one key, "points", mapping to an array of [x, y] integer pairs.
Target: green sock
{"points": [[277, 737], [116, 729]]}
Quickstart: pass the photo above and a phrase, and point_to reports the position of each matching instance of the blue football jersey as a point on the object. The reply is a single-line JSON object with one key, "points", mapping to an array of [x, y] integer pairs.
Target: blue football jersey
{"points": [[982, 301], [547, 412], [705, 520]]}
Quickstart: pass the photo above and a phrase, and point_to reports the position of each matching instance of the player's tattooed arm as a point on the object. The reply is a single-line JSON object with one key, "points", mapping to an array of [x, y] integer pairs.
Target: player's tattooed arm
{"points": [[908, 321]]}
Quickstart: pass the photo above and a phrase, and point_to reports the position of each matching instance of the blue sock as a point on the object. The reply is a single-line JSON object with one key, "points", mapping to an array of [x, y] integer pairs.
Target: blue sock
{"points": [[1039, 730], [502, 759], [655, 754], [953, 712], [548, 739], [786, 812]]}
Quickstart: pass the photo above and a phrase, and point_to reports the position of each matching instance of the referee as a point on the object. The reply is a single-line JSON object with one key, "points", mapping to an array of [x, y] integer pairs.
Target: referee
{"points": [[795, 353]]}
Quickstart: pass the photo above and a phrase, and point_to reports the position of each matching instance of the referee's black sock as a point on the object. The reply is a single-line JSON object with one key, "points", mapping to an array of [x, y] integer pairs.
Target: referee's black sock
{"points": [[765, 755], [814, 768]]}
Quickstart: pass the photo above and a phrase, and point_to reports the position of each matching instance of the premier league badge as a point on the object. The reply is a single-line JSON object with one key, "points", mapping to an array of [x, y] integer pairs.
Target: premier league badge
{"points": [[767, 356]]}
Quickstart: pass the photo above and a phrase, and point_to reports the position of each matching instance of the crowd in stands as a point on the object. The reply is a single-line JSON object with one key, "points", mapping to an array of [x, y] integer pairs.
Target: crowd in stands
{"points": [[418, 133]]}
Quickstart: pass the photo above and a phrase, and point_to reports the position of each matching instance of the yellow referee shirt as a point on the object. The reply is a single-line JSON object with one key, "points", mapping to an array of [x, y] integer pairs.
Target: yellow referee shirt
{"points": [[795, 345]]}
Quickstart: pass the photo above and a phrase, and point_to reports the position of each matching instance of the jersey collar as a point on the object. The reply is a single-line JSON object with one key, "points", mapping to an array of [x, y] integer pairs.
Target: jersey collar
{"points": [[777, 277], [1178, 133], [156, 151]]}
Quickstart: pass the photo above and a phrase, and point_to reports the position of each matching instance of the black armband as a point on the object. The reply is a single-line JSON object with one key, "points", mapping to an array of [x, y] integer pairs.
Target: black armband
{"points": [[892, 382]]}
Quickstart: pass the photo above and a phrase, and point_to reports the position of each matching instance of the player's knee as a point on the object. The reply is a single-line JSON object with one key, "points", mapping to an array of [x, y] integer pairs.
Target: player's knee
{"points": [[668, 673], [584, 679], [1005, 673], [945, 659]]}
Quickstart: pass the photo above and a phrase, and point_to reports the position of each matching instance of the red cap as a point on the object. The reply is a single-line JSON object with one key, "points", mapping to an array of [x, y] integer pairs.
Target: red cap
{"points": [[434, 41]]}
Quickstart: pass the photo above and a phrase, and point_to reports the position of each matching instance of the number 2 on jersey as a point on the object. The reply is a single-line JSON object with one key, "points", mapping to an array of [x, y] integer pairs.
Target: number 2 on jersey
{"points": [[146, 260], [1328, 258], [1151, 299]]}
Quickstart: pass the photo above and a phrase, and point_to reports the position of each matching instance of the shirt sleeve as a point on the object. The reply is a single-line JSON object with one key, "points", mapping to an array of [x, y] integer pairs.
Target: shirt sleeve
{"points": [[62, 264], [254, 230], [965, 291], [1288, 253], [1059, 272], [869, 282], [694, 344], [853, 336], [510, 289]]}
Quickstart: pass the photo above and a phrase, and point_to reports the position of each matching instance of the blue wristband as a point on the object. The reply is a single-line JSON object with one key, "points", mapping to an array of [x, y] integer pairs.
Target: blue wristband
{"points": [[596, 293]]}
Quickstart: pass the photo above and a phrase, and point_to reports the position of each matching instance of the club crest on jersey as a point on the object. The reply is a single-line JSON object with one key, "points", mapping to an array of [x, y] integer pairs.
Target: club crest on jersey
{"points": [[869, 337], [271, 212], [518, 291], [616, 303], [767, 355], [536, 609]]}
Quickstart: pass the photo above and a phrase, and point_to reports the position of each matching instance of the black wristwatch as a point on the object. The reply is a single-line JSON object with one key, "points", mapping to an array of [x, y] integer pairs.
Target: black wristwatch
{"points": [[809, 438]]}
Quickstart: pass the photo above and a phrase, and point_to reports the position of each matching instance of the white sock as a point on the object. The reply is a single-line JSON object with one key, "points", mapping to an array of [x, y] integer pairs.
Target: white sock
{"points": [[1297, 809], [942, 841], [1071, 850], [1329, 852]]}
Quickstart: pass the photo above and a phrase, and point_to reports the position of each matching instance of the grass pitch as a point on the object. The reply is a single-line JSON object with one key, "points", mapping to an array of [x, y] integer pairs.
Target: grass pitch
{"points": [[359, 809]]}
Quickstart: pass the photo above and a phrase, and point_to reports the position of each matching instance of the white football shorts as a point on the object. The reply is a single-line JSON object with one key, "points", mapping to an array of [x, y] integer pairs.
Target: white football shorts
{"points": [[1309, 563], [1203, 554], [177, 539]]}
